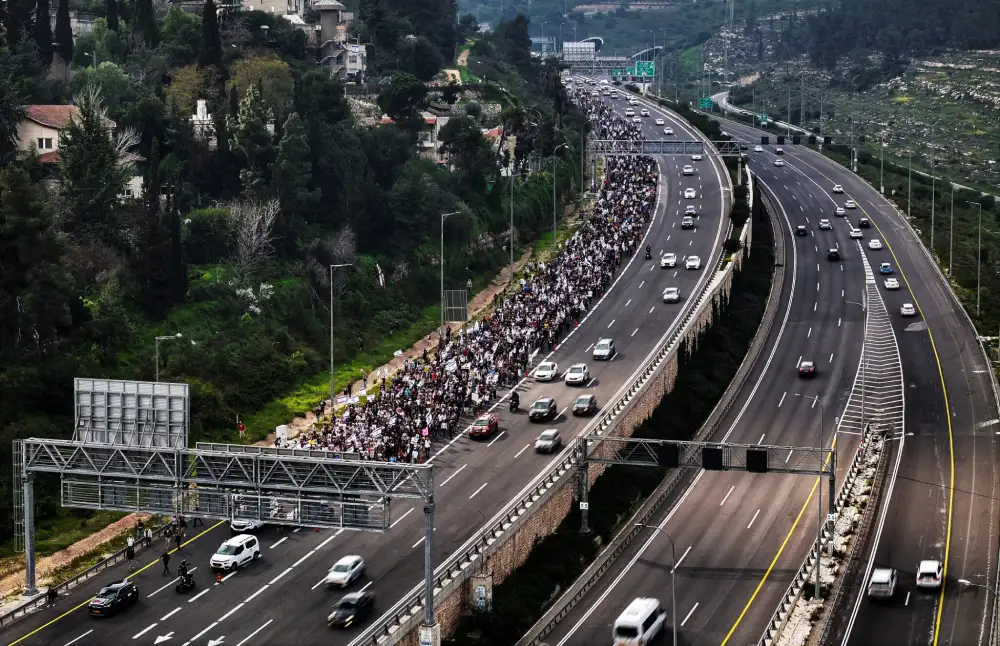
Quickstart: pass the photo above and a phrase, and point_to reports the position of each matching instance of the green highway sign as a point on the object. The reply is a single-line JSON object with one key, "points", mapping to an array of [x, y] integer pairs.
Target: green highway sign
{"points": [[763, 119], [630, 71], [705, 103], [617, 72], [645, 68]]}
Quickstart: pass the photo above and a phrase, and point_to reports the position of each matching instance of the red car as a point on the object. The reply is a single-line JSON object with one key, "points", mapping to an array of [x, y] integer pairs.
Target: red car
{"points": [[484, 426]]}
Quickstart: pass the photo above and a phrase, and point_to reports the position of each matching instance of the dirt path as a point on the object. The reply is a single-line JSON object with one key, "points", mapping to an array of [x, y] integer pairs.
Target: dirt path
{"points": [[453, 76], [463, 58]]}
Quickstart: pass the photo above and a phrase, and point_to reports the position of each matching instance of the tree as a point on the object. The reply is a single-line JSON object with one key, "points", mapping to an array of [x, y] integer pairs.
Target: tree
{"points": [[11, 114], [249, 135], [252, 223], [64, 32], [274, 79], [112, 14], [35, 286], [180, 37], [115, 85], [43, 31], [402, 99], [187, 85], [751, 14], [419, 57], [292, 177], [468, 152], [144, 22], [17, 20], [210, 53], [94, 169]]}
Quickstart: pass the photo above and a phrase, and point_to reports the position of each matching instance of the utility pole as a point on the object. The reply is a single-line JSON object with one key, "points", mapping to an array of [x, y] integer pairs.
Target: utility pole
{"points": [[909, 183], [802, 102], [951, 226], [933, 195]]}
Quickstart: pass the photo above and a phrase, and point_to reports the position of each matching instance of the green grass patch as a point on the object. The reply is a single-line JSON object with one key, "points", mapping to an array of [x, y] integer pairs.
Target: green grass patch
{"points": [[61, 531]]}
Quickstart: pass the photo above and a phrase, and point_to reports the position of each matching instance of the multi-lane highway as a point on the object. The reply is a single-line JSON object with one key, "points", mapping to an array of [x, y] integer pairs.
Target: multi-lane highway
{"points": [[279, 599], [942, 501], [739, 537]]}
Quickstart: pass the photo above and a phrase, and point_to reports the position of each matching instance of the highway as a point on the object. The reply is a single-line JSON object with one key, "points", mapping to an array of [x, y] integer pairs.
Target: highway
{"points": [[738, 538], [942, 500], [278, 599]]}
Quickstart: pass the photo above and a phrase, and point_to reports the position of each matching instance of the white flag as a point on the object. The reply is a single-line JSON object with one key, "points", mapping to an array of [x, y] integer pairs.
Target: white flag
{"points": [[381, 276]]}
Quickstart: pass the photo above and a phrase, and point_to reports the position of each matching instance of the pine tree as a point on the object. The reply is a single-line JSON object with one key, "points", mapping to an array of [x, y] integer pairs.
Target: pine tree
{"points": [[248, 134], [17, 19], [211, 40], [43, 32], [64, 32], [112, 15], [145, 22], [292, 177]]}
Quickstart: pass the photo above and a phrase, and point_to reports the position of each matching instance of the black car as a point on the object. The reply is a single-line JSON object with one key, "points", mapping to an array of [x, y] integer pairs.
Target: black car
{"points": [[833, 254], [543, 410], [585, 405], [864, 223], [351, 609], [807, 370], [801, 230], [113, 598]]}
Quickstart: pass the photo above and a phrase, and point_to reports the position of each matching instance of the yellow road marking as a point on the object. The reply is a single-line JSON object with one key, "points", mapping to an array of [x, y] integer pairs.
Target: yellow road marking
{"points": [[145, 567], [774, 561], [947, 414]]}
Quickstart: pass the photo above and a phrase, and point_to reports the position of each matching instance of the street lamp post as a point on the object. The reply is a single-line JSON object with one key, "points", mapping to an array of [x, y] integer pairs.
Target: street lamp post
{"points": [[169, 337], [969, 584], [819, 489], [673, 570], [332, 392], [444, 216], [554, 205], [979, 252]]}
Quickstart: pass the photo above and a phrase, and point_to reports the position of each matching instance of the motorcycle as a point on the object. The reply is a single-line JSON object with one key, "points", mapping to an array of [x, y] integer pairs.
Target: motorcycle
{"points": [[514, 406], [186, 584], [649, 256]]}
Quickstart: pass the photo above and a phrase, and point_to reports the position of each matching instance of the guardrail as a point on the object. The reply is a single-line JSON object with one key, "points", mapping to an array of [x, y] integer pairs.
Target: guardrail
{"points": [[592, 576], [406, 613], [40, 601]]}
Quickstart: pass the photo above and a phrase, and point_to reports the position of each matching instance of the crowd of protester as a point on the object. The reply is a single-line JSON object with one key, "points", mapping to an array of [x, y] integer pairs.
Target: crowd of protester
{"points": [[428, 397]]}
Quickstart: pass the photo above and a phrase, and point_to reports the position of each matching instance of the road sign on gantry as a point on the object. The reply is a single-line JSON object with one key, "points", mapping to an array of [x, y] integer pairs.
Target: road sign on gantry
{"points": [[645, 68], [705, 103]]}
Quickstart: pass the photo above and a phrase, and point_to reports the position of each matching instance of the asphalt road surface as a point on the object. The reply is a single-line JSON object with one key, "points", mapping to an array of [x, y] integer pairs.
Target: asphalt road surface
{"points": [[739, 538], [278, 599], [943, 502]]}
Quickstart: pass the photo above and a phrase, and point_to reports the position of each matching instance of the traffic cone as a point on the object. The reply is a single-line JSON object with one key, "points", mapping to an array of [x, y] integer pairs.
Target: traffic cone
{"points": [[218, 577]]}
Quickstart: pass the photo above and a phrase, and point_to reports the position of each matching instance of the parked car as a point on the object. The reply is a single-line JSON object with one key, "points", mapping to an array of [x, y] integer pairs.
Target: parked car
{"points": [[113, 598]]}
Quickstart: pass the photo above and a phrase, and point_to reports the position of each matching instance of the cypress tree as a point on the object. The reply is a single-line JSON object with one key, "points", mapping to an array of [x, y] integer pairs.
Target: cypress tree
{"points": [[43, 32], [64, 33], [211, 40], [145, 22], [112, 15]]}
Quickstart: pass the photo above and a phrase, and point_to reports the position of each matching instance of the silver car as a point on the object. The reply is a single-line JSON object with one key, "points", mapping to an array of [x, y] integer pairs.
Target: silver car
{"points": [[604, 350], [671, 295], [578, 373], [548, 441]]}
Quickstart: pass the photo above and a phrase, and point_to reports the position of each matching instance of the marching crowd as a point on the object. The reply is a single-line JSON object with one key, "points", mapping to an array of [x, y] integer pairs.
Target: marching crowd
{"points": [[427, 397]]}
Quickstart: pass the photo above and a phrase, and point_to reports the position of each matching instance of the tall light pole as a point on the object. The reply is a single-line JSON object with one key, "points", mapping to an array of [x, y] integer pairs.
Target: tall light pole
{"points": [[881, 169], [444, 216], [332, 392], [554, 204], [673, 570], [819, 489], [979, 253], [909, 183], [169, 337]]}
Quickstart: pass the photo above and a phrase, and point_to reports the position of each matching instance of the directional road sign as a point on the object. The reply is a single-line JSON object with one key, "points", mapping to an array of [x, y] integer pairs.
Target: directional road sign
{"points": [[705, 103], [645, 68], [763, 119]]}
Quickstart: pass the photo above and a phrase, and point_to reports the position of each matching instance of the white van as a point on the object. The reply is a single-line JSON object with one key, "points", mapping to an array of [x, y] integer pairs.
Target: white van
{"points": [[237, 551], [640, 623], [629, 112]]}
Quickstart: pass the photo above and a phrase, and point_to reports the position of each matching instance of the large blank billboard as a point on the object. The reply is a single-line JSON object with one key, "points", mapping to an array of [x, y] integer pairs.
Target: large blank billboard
{"points": [[579, 51]]}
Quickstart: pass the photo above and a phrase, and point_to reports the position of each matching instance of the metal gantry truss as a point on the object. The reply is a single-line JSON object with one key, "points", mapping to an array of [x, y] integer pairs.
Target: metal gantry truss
{"points": [[131, 413], [598, 65], [632, 147]]}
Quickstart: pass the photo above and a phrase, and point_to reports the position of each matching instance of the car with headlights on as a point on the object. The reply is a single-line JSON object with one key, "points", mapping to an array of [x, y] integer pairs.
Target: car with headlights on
{"points": [[690, 194], [687, 170], [549, 441], [891, 283], [779, 162], [577, 374], [692, 262], [113, 598], [345, 572], [907, 310], [546, 371], [543, 410], [875, 244], [671, 295], [668, 260], [807, 370], [824, 224], [585, 405], [351, 610], [484, 426], [837, 188], [687, 222]]}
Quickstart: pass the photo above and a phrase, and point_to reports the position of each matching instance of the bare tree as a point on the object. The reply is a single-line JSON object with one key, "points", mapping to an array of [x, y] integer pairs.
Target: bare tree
{"points": [[252, 224]]}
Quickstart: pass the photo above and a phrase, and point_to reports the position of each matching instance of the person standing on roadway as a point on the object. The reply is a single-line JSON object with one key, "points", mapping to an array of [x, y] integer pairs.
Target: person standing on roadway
{"points": [[165, 557]]}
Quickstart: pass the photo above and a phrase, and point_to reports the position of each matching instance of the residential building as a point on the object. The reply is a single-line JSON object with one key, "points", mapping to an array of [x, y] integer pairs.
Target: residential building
{"points": [[42, 128], [204, 125], [345, 60]]}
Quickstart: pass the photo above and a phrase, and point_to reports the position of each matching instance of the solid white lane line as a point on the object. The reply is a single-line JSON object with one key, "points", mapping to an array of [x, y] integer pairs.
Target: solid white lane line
{"points": [[727, 495], [753, 519], [761, 441], [170, 614], [254, 595], [279, 542], [80, 637], [478, 490], [393, 523], [254, 633], [783, 395], [200, 594], [494, 440], [228, 614], [683, 556], [448, 479], [277, 578], [518, 454], [144, 631], [301, 560], [214, 624], [688, 616]]}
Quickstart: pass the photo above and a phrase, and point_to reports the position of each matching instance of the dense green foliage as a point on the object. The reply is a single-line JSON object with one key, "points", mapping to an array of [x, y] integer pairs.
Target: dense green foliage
{"points": [[704, 374], [231, 244]]}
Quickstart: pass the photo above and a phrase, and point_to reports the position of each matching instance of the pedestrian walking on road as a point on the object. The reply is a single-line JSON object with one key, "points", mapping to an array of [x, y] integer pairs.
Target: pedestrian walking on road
{"points": [[148, 536], [179, 538], [130, 557], [166, 562]]}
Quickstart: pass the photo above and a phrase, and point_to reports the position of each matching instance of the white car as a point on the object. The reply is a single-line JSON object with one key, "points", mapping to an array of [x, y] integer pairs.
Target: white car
{"points": [[546, 371], [882, 584], [929, 574], [758, 149], [875, 244], [779, 162], [668, 131], [840, 212], [825, 224], [644, 112], [636, 120], [688, 170], [236, 552], [693, 262], [891, 283], [687, 222], [855, 234], [671, 295], [837, 188], [850, 204], [908, 310], [690, 194], [668, 260], [604, 350], [345, 571], [245, 525], [690, 210], [660, 122], [578, 374], [696, 157]]}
